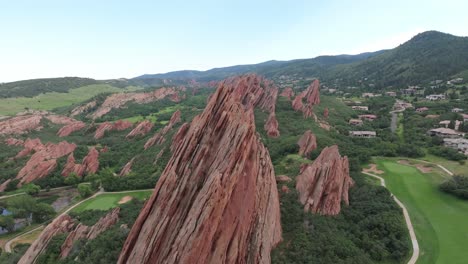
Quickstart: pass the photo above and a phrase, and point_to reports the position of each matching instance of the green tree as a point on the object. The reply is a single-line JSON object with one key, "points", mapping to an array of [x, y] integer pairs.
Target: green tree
{"points": [[72, 179], [42, 212], [84, 190], [7, 222], [32, 189]]}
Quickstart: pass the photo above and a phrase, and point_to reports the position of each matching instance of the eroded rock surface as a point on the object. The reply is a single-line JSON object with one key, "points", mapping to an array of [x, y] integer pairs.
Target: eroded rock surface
{"points": [[14, 142], [307, 143], [89, 165], [159, 137], [118, 125], [288, 93], [325, 112], [20, 124], [271, 126], [217, 200], [83, 108], [311, 96], [127, 168], [324, 184], [141, 129], [67, 129]]}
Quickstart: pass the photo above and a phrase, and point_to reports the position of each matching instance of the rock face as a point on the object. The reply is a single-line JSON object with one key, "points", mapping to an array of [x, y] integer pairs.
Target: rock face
{"points": [[20, 124], [323, 184], [89, 165], [70, 128], [61, 224], [159, 137], [107, 126], [307, 143], [141, 129], [83, 108], [271, 126], [87, 232], [312, 97], [60, 120], [118, 100], [127, 168], [325, 112], [14, 142], [288, 93], [30, 145], [217, 200]]}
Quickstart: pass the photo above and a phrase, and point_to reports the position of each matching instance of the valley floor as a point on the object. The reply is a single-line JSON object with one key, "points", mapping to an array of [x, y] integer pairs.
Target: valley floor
{"points": [[439, 219]]}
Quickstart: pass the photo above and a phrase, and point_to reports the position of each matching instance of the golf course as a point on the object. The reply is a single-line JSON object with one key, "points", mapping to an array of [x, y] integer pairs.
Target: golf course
{"points": [[440, 220], [106, 201]]}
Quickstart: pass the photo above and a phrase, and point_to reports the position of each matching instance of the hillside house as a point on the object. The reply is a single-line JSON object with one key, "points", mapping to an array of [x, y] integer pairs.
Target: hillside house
{"points": [[445, 133], [392, 94], [435, 97], [363, 134], [368, 117], [360, 108], [465, 117], [457, 110], [422, 109], [355, 122], [459, 144]]}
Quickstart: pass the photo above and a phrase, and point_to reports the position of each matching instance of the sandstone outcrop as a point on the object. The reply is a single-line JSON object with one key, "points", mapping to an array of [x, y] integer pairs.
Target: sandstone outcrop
{"points": [[288, 93], [108, 126], [307, 143], [271, 126], [20, 124], [83, 108], [30, 145], [325, 112], [61, 224], [312, 97], [159, 137], [118, 100], [141, 129], [89, 232], [66, 130], [285, 189], [217, 199], [60, 120], [127, 168], [283, 178], [14, 142], [324, 184], [89, 165]]}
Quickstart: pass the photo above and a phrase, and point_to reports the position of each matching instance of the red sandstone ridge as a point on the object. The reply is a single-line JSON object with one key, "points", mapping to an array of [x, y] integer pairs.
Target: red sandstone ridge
{"points": [[288, 93], [312, 96], [108, 126], [89, 165], [20, 124], [307, 143], [118, 100], [127, 168], [30, 145], [271, 126], [83, 108], [89, 232], [323, 184], [325, 112], [159, 137], [70, 128], [14, 142], [61, 224], [141, 129], [217, 200]]}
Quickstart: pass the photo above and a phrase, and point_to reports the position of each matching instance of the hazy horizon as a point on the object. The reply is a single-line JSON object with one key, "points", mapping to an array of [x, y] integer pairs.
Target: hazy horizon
{"points": [[106, 40]]}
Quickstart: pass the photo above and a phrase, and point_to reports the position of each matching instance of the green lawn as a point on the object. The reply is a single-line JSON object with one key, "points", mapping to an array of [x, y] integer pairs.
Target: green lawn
{"points": [[49, 101], [110, 200], [453, 166], [440, 220]]}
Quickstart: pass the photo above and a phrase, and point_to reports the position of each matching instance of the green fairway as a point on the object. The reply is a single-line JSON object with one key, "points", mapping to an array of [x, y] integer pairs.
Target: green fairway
{"points": [[49, 101], [110, 200], [440, 220]]}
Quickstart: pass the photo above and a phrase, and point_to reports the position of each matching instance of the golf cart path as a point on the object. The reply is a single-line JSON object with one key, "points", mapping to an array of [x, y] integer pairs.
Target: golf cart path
{"points": [[11, 241], [414, 241]]}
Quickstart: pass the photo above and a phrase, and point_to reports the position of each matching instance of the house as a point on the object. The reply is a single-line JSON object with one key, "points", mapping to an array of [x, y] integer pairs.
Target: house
{"points": [[459, 144], [367, 117], [432, 116], [355, 122], [445, 133], [435, 97], [360, 108], [457, 110], [465, 117], [367, 95], [437, 82], [422, 109], [444, 123], [363, 134], [409, 91], [456, 81], [392, 94]]}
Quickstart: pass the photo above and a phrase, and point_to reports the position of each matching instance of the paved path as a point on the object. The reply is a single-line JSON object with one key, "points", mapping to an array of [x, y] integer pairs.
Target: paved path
{"points": [[10, 242], [414, 241], [438, 165], [22, 193]]}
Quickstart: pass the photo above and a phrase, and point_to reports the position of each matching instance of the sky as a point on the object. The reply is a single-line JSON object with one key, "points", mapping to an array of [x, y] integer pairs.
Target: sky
{"points": [[124, 39]]}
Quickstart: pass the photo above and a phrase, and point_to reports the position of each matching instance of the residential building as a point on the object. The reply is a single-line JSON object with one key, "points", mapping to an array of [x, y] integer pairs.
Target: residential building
{"points": [[457, 110], [359, 107], [422, 109], [459, 144], [355, 122], [363, 134], [465, 117], [392, 94], [435, 97], [367, 117], [445, 133]]}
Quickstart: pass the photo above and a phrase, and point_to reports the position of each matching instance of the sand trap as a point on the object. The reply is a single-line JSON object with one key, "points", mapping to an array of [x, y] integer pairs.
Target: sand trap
{"points": [[125, 199], [423, 168], [373, 168], [404, 162]]}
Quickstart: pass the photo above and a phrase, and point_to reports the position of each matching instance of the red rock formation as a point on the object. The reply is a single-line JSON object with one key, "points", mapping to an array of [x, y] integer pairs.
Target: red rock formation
{"points": [[89, 165], [161, 152], [20, 124], [159, 137], [127, 168], [312, 96], [44, 161], [83, 108], [217, 200], [297, 102], [141, 129], [271, 126], [285, 189], [118, 100], [325, 112], [107, 126], [61, 120], [307, 143], [61, 224], [30, 145], [323, 184], [288, 93], [14, 142], [70, 128], [283, 178], [89, 233]]}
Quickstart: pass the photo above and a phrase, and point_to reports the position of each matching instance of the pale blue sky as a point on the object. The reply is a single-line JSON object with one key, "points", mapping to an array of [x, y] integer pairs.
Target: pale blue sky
{"points": [[111, 39]]}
